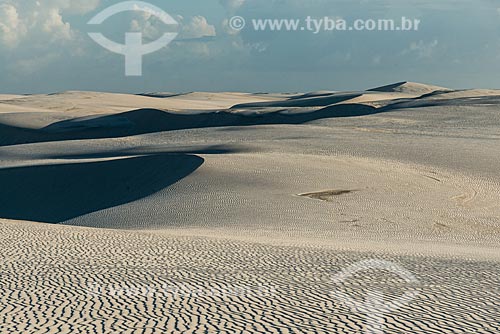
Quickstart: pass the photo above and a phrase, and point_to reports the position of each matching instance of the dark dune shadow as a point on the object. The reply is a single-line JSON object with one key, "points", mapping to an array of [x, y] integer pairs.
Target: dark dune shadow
{"points": [[56, 193], [161, 95], [11, 135], [435, 93], [388, 88], [143, 121], [314, 94], [424, 102], [321, 100], [191, 150], [427, 100], [153, 120]]}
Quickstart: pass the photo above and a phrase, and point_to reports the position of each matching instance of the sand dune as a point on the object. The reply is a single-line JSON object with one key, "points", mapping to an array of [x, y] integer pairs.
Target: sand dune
{"points": [[411, 88], [88, 103], [143, 121], [5, 97], [232, 212], [56, 193]]}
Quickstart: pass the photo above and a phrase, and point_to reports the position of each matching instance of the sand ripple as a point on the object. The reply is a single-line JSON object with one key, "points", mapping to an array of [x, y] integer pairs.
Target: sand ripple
{"points": [[57, 279]]}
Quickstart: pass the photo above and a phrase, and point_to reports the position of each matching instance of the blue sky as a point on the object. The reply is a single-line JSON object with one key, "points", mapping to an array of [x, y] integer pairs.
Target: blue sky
{"points": [[44, 47]]}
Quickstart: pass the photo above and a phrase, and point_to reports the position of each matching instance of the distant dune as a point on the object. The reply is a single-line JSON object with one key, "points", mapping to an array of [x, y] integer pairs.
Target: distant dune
{"points": [[412, 88]]}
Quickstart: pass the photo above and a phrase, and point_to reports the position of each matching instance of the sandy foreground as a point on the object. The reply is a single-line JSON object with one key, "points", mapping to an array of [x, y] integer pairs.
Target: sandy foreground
{"points": [[326, 212]]}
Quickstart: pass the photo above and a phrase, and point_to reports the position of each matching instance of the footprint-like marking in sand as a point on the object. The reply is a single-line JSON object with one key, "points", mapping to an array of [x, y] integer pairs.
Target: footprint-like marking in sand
{"points": [[466, 198], [326, 195]]}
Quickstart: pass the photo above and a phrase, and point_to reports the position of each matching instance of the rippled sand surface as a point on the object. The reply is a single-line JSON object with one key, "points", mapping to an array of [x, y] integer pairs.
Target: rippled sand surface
{"points": [[78, 280]]}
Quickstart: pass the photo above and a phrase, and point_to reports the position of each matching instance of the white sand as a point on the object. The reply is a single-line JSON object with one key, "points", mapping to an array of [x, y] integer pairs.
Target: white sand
{"points": [[5, 97], [87, 103], [412, 88], [237, 220]]}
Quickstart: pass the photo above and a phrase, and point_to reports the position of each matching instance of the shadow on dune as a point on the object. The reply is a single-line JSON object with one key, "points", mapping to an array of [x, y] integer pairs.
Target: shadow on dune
{"points": [[11, 135], [320, 100], [56, 193], [148, 150], [152, 120], [424, 102], [143, 121]]}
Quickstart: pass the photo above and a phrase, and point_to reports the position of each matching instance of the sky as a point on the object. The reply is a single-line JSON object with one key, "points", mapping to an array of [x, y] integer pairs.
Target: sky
{"points": [[45, 46]]}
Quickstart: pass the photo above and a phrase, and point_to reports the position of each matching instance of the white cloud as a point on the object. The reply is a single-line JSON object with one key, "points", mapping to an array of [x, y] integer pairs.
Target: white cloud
{"points": [[227, 28], [193, 28], [197, 27], [232, 5], [63, 6], [149, 25], [28, 20], [53, 24], [422, 49], [11, 26], [77, 7]]}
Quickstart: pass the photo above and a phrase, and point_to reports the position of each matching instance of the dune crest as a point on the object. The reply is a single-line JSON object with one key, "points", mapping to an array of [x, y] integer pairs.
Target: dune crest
{"points": [[412, 88]]}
